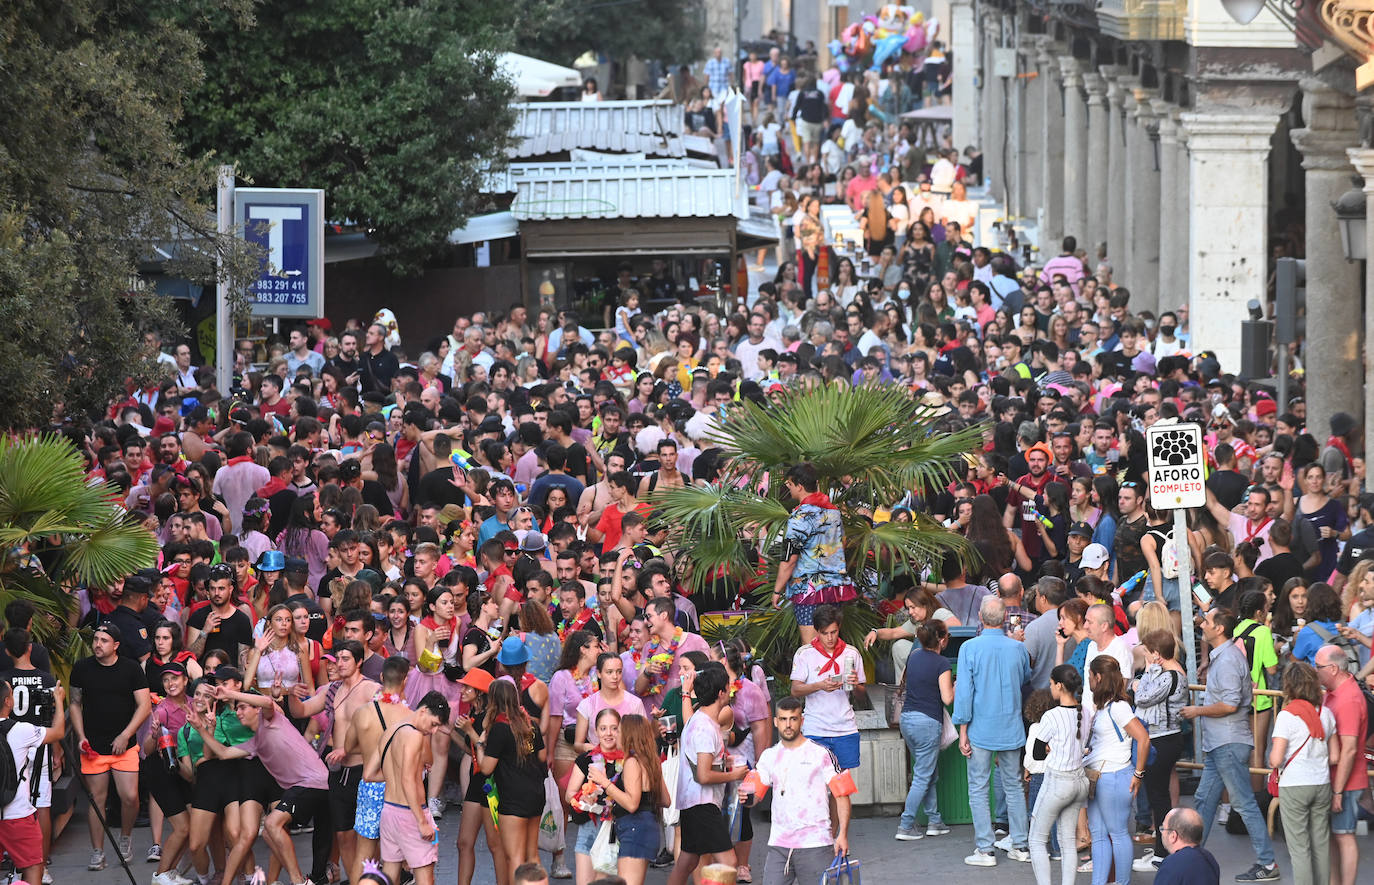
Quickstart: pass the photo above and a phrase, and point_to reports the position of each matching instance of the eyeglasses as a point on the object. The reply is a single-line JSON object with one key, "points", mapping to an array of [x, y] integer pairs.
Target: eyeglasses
{"points": [[1130, 485]]}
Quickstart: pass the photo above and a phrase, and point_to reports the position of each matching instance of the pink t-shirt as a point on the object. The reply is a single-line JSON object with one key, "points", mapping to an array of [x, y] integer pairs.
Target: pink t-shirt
{"points": [[750, 705], [565, 694], [594, 704], [800, 778], [1346, 703], [690, 642], [286, 754]]}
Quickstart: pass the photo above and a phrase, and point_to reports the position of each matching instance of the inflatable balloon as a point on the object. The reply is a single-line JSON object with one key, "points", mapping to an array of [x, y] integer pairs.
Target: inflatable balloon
{"points": [[887, 48]]}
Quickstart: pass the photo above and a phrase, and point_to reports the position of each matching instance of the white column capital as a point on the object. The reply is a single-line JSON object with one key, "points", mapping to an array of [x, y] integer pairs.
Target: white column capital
{"points": [[1071, 69], [1229, 133], [1096, 87], [1324, 149], [1166, 114], [1362, 159], [1047, 53], [1145, 100]]}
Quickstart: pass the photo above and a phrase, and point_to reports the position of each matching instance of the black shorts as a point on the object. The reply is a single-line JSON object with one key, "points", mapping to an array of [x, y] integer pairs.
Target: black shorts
{"points": [[704, 830], [217, 785], [305, 803], [477, 789], [168, 790], [343, 796], [255, 784]]}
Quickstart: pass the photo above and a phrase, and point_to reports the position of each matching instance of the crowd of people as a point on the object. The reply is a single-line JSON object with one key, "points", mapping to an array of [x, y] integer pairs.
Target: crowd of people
{"points": [[392, 590]]}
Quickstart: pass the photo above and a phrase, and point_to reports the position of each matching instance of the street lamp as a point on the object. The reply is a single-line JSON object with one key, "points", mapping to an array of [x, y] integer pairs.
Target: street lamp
{"points": [[1350, 216], [1243, 11]]}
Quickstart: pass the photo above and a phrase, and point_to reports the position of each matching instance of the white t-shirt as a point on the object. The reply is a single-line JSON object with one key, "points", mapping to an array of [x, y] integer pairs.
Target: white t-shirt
{"points": [[701, 735], [828, 713], [1118, 649], [1311, 767], [800, 779], [1107, 751], [24, 740]]}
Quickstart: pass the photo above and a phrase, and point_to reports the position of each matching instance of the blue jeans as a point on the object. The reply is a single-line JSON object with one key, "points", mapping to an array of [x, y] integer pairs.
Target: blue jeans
{"points": [[1228, 767], [1036, 782], [980, 769], [1109, 820], [922, 736]]}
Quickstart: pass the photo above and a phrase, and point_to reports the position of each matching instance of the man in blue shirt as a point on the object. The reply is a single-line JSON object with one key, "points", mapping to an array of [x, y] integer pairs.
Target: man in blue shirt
{"points": [[993, 669], [717, 71], [1188, 863], [502, 493]]}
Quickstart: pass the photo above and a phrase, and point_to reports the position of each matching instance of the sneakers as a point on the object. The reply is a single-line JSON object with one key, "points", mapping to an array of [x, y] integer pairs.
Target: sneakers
{"points": [[154, 853], [1020, 855], [1056, 856], [664, 859], [298, 830], [1000, 828], [905, 835], [1146, 863], [1260, 873], [744, 875], [170, 878], [97, 861], [560, 869], [126, 848], [436, 809], [1003, 844], [937, 830], [979, 859], [1223, 813], [1085, 866]]}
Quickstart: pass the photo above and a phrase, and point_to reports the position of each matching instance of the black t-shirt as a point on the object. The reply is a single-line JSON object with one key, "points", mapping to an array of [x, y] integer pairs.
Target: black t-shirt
{"points": [[812, 106], [1359, 547], [519, 782], [1229, 486], [29, 703], [1129, 559], [323, 591], [107, 698], [1279, 568], [37, 654], [584, 764], [375, 372], [318, 622], [135, 631], [478, 638], [436, 488], [374, 493], [234, 631]]}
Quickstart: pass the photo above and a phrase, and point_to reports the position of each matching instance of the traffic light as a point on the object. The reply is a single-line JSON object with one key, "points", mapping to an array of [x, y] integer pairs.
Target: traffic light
{"points": [[1290, 300]]}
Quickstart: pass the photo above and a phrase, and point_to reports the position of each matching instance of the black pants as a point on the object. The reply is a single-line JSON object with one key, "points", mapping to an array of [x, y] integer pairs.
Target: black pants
{"points": [[1168, 750]]}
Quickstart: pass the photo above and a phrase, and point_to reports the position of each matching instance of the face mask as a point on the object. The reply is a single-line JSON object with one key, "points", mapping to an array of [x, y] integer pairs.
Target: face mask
{"points": [[904, 294], [1166, 330]]}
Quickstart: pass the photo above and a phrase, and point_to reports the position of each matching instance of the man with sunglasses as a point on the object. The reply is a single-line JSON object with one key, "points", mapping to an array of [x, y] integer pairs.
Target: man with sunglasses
{"points": [[220, 624]]}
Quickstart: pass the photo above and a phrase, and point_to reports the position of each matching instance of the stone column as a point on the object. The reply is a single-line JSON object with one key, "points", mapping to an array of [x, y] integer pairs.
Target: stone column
{"points": [[1096, 233], [1075, 149], [963, 38], [1115, 194], [995, 92], [1145, 205], [1332, 345], [1051, 123], [1227, 170], [1173, 209], [1183, 197], [1125, 267], [1026, 104], [1362, 159]]}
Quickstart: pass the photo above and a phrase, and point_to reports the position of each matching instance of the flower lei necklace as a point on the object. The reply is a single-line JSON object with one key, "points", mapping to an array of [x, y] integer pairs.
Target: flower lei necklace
{"points": [[391, 697], [564, 628], [656, 652]]}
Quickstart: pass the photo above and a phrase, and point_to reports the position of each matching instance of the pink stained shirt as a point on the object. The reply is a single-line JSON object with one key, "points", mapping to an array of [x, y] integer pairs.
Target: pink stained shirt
{"points": [[286, 754]]}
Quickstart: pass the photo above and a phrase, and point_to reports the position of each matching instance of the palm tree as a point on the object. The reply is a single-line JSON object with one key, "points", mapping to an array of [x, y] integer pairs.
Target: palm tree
{"points": [[59, 530], [871, 446]]}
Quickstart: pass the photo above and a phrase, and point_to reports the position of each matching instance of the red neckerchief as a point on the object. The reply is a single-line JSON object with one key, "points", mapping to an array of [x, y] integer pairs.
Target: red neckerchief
{"points": [[582, 619], [502, 717], [241, 459], [1338, 443], [818, 499], [830, 660], [527, 680], [609, 755], [273, 486], [1251, 534], [1309, 715]]}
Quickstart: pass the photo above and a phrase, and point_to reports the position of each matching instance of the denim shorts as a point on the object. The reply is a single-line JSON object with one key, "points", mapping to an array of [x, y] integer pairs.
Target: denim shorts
{"points": [[586, 836], [845, 747], [638, 835], [1343, 821]]}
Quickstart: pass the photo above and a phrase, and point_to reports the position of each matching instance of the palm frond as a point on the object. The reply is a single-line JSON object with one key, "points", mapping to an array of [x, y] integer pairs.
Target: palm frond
{"points": [[116, 547]]}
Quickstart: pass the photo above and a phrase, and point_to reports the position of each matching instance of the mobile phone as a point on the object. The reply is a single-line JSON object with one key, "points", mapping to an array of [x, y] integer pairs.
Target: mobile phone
{"points": [[1202, 595]]}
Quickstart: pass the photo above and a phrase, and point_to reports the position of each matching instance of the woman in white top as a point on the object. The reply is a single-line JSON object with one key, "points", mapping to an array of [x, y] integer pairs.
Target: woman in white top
{"points": [[1114, 729], [1058, 744], [278, 655], [1300, 751]]}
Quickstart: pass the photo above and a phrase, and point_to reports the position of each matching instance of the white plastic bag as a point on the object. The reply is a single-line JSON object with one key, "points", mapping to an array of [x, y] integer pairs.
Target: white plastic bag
{"points": [[551, 837], [605, 852], [670, 767]]}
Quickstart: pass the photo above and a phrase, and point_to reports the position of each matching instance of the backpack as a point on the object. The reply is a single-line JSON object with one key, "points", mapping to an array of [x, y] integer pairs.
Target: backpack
{"points": [[10, 774], [1247, 638], [1168, 557], [1352, 658]]}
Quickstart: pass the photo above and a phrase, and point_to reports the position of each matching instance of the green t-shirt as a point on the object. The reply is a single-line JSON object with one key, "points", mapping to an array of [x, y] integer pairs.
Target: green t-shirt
{"points": [[229, 731], [1264, 656], [672, 706], [189, 743]]}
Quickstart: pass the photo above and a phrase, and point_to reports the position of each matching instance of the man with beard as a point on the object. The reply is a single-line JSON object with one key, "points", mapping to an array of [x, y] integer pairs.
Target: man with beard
{"points": [[1024, 497]]}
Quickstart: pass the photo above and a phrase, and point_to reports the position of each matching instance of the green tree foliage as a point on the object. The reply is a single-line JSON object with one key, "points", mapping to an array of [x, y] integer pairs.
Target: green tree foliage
{"points": [[91, 180], [668, 30], [48, 510], [395, 109], [870, 446]]}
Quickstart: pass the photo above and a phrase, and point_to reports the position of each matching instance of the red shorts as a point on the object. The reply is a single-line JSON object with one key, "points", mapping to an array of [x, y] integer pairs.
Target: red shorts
{"points": [[126, 761], [22, 840]]}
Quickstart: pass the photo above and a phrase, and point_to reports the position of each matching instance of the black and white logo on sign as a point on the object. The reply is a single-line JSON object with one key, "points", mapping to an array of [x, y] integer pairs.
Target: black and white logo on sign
{"points": [[1174, 447]]}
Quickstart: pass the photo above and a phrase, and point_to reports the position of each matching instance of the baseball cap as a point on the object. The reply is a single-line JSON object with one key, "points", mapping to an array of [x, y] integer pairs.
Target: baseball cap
{"points": [[533, 542], [224, 673], [322, 322], [173, 667], [295, 564], [1082, 529], [491, 424], [1094, 555]]}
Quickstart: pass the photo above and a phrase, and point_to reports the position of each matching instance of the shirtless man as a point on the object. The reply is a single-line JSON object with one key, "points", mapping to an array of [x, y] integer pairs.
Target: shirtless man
{"points": [[370, 722], [667, 476], [342, 699], [410, 835], [597, 497]]}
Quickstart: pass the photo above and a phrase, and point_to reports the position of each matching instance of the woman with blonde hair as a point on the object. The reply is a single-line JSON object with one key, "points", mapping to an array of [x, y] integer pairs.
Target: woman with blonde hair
{"points": [[1153, 615]]}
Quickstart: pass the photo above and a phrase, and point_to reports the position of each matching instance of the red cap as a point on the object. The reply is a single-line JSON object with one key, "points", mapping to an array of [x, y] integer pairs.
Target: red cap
{"points": [[322, 322]]}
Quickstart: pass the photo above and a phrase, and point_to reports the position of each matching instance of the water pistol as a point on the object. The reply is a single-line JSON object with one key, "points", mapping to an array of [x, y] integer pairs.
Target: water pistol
{"points": [[1133, 580]]}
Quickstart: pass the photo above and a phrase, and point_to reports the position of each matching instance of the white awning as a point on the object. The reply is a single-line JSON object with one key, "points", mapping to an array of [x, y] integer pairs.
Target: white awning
{"points": [[496, 226], [536, 78]]}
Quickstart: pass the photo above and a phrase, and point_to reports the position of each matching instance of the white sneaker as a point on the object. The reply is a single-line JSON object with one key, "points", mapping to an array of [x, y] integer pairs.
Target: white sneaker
{"points": [[1003, 844], [1020, 855], [1145, 863], [126, 848], [97, 861], [1223, 813], [979, 859], [436, 809], [937, 830], [47, 876]]}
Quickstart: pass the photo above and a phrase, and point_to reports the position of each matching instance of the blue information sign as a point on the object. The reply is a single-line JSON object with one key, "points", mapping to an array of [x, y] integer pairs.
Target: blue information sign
{"points": [[289, 226]]}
